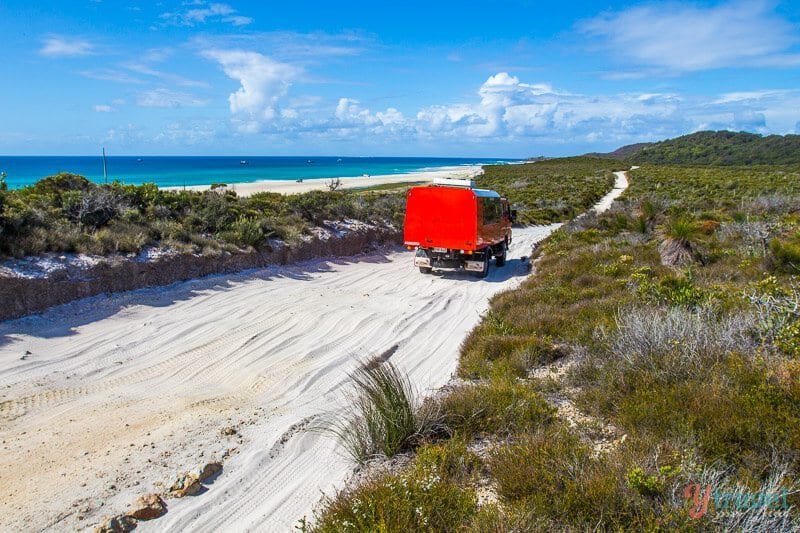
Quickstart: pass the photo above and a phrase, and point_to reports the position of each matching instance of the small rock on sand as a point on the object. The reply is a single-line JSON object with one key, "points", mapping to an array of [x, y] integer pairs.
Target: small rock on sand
{"points": [[117, 524], [187, 484], [208, 470], [190, 483], [147, 507]]}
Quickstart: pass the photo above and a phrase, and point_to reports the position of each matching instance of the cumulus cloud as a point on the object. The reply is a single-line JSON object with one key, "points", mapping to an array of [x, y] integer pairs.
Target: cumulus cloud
{"points": [[263, 82], [167, 98], [103, 108], [510, 109], [58, 46], [505, 111], [679, 37]]}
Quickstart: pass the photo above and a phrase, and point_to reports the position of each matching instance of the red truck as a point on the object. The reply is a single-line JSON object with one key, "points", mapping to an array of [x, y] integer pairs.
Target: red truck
{"points": [[453, 225]]}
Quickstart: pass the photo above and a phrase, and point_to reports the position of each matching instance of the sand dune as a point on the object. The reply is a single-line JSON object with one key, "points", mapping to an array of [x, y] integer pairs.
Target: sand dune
{"points": [[109, 397]]}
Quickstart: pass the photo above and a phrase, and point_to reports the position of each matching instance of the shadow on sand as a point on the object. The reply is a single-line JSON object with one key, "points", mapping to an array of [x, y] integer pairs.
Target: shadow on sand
{"points": [[512, 269], [63, 320]]}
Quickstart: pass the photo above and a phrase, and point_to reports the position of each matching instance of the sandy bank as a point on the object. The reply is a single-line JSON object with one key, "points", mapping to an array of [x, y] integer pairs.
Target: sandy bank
{"points": [[293, 187]]}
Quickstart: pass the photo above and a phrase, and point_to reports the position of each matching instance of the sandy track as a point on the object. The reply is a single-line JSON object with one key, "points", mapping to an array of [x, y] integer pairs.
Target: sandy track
{"points": [[119, 394]]}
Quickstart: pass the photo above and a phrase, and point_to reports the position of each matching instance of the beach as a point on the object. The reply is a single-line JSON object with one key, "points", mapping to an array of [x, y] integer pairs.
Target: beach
{"points": [[354, 182]]}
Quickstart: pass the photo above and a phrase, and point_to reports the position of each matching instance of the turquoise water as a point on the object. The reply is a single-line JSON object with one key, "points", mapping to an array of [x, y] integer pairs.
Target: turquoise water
{"points": [[179, 171]]}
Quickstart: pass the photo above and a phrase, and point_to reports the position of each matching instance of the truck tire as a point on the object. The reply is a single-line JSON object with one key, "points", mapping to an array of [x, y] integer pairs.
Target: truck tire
{"points": [[485, 272], [425, 270], [500, 259]]}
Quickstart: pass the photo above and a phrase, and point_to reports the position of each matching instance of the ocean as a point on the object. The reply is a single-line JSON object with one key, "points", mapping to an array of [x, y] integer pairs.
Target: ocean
{"points": [[173, 171]]}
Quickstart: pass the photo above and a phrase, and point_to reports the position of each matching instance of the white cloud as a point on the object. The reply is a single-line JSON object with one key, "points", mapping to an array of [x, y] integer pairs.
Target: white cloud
{"points": [[58, 46], [206, 13], [290, 46], [116, 76], [187, 133], [504, 112], [263, 81], [238, 20], [349, 112], [169, 77], [678, 37], [167, 98], [103, 108]]}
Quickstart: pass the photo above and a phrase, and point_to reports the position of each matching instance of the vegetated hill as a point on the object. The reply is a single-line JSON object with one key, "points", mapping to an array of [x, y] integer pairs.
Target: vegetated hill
{"points": [[714, 148], [621, 153]]}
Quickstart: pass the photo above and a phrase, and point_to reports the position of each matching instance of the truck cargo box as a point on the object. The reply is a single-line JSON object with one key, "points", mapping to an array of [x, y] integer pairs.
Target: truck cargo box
{"points": [[456, 226]]}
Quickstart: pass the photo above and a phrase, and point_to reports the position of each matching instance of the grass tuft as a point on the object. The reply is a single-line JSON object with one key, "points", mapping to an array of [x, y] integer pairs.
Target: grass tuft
{"points": [[384, 417]]}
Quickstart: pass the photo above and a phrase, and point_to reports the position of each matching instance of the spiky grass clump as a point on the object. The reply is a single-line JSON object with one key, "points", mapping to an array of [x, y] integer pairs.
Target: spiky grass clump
{"points": [[679, 236], [384, 417]]}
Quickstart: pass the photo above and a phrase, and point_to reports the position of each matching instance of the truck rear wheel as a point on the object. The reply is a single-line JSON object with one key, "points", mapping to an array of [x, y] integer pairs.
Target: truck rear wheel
{"points": [[485, 272], [425, 270], [500, 259]]}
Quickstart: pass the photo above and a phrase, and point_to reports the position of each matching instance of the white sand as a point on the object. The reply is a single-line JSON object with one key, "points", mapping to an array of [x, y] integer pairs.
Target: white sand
{"points": [[293, 187], [120, 393]]}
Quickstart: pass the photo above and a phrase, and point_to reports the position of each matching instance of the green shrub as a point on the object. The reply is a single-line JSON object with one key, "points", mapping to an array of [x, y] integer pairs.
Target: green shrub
{"points": [[788, 339], [785, 255], [668, 290], [502, 406], [647, 485], [245, 232], [417, 500], [449, 459], [61, 183], [552, 475]]}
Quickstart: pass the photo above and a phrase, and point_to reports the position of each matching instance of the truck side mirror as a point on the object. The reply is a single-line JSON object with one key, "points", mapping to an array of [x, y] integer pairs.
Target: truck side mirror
{"points": [[513, 215]]}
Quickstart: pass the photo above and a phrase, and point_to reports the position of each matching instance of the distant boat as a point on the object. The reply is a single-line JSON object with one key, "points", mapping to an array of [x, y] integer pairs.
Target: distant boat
{"points": [[243, 162], [339, 160], [139, 159], [310, 162]]}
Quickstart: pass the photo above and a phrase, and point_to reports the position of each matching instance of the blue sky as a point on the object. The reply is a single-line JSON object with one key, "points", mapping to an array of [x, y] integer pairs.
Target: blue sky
{"points": [[502, 78]]}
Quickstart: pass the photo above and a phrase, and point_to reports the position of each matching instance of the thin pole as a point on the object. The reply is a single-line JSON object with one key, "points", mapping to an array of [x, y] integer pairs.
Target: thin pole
{"points": [[105, 172]]}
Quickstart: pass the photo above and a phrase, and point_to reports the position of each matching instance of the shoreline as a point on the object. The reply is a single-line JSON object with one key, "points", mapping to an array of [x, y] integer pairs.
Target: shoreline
{"points": [[350, 182]]}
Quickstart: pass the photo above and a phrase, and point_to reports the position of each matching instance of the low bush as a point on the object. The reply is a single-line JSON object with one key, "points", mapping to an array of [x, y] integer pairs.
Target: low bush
{"points": [[784, 255], [675, 343], [502, 406], [428, 496], [552, 475], [33, 218]]}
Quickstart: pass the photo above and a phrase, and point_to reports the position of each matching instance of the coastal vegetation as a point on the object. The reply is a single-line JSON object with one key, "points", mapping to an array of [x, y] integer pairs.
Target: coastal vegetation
{"points": [[656, 347], [552, 190], [720, 148], [68, 213]]}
